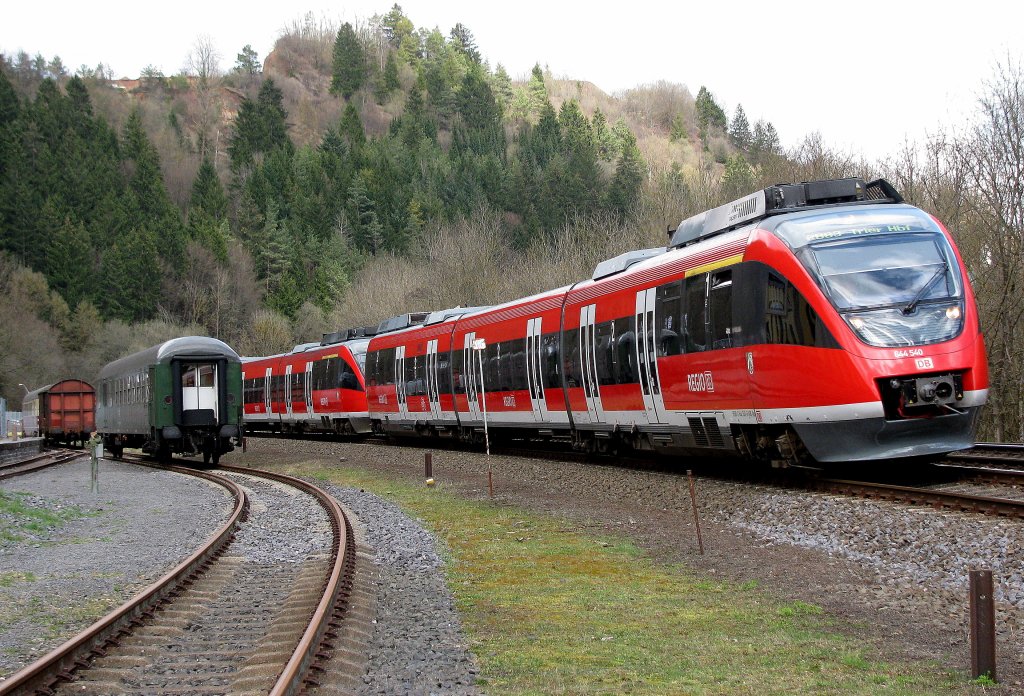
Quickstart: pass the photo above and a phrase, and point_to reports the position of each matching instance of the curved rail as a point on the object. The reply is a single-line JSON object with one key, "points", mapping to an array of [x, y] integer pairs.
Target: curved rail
{"points": [[60, 663], [336, 593]]}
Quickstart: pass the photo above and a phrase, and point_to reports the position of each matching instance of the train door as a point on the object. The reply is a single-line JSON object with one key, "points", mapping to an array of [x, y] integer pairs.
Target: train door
{"points": [[433, 393], [288, 391], [309, 388], [266, 394], [471, 373], [199, 403], [588, 357], [534, 369], [401, 386], [647, 356]]}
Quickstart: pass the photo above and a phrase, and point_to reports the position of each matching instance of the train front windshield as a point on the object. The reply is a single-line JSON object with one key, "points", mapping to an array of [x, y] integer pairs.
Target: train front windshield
{"points": [[893, 278]]}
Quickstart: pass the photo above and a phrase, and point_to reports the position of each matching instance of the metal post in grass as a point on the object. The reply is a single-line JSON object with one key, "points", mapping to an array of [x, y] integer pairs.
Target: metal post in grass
{"points": [[428, 465], [696, 518], [983, 625]]}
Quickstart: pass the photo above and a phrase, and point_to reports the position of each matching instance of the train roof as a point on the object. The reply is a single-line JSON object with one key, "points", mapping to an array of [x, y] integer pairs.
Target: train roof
{"points": [[184, 347]]}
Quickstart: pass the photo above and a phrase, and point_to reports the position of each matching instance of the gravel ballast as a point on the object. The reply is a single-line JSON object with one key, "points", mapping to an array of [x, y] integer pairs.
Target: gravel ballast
{"points": [[138, 525]]}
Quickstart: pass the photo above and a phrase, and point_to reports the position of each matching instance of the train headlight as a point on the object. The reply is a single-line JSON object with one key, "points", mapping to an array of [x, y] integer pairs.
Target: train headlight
{"points": [[953, 312], [857, 323]]}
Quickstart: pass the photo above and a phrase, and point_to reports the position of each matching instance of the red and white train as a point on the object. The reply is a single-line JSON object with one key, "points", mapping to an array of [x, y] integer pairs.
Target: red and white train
{"points": [[824, 321], [315, 387], [817, 322]]}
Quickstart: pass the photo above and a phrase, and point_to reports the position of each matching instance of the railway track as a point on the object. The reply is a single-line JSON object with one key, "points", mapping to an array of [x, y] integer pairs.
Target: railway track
{"points": [[256, 609], [48, 458]]}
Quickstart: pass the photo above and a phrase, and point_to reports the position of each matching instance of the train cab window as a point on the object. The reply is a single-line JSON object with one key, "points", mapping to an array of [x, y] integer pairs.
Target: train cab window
{"points": [[720, 308], [695, 317], [667, 318]]}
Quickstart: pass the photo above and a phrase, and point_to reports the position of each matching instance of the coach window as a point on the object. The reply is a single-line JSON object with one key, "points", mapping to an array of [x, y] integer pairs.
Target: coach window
{"points": [[720, 306], [694, 325], [604, 352], [625, 351], [667, 318], [549, 361], [571, 361]]}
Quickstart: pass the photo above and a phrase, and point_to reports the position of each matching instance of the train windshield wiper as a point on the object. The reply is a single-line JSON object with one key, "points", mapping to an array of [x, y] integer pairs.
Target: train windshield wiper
{"points": [[925, 288]]}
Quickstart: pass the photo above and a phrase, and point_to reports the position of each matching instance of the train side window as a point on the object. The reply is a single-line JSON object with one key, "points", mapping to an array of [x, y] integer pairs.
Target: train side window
{"points": [[444, 372], [720, 308], [695, 324], [625, 349], [667, 318], [604, 354], [549, 361], [459, 371], [571, 362]]}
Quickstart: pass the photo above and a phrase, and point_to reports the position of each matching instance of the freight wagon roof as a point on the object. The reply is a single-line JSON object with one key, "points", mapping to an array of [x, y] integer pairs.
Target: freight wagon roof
{"points": [[184, 347], [65, 386]]}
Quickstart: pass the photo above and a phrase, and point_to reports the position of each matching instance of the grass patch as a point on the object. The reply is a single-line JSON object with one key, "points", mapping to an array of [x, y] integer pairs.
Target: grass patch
{"points": [[19, 519], [11, 579], [549, 610]]}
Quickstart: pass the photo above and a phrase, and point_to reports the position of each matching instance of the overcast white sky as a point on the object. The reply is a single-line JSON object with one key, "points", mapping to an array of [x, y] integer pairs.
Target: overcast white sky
{"points": [[866, 75]]}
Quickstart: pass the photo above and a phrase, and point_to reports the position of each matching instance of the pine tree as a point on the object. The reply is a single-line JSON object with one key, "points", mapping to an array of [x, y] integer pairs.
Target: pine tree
{"points": [[501, 85], [349, 66], [389, 83], [9, 103], [260, 127], [153, 207], [463, 42], [604, 141], [739, 129], [765, 140], [624, 191], [130, 286], [69, 262], [738, 178], [538, 90], [247, 62], [207, 211], [709, 114], [679, 130]]}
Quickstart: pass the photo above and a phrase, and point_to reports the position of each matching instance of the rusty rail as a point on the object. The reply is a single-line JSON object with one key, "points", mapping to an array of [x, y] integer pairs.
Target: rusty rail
{"points": [[923, 496], [335, 597], [60, 664]]}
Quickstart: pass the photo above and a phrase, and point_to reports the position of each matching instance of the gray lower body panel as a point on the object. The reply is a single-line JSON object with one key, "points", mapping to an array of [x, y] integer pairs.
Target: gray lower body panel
{"points": [[877, 438]]}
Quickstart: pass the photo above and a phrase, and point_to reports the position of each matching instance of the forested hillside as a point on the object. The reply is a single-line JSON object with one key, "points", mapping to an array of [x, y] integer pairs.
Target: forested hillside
{"points": [[362, 171]]}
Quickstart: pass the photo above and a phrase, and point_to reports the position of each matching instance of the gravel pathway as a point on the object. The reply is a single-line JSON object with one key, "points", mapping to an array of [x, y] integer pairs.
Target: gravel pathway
{"points": [[55, 582], [417, 645]]}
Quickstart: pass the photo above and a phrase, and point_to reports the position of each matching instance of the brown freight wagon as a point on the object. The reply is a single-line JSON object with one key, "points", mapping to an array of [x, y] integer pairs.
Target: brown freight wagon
{"points": [[64, 412]]}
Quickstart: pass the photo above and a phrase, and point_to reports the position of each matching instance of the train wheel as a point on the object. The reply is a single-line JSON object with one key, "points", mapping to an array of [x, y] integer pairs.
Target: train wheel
{"points": [[206, 458]]}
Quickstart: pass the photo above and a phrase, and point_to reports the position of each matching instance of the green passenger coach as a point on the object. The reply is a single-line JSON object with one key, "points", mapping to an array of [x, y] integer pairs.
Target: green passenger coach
{"points": [[182, 396]]}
